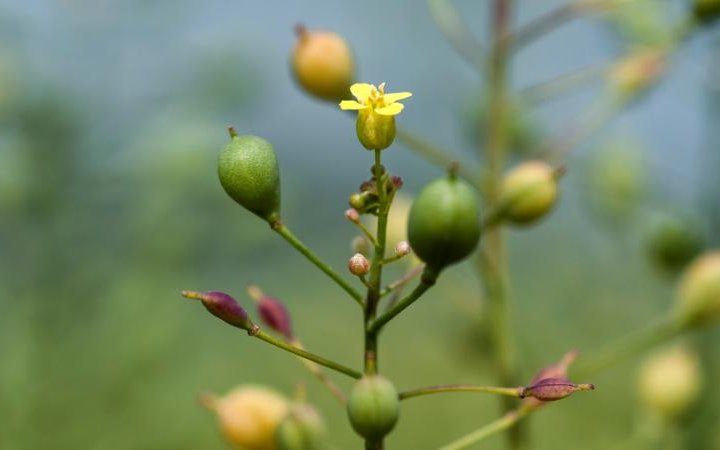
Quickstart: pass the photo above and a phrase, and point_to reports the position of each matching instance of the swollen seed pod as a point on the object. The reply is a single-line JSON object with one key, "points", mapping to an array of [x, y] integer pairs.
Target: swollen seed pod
{"points": [[322, 64], [444, 222], [698, 297], [301, 429], [249, 416], [249, 173], [673, 242], [373, 407], [528, 192], [670, 381]]}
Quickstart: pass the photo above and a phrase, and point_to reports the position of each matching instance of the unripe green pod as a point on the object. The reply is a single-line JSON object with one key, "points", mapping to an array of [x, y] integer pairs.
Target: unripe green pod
{"points": [[698, 298], [301, 429], [373, 407], [444, 222], [673, 242], [249, 173], [670, 381], [528, 192]]}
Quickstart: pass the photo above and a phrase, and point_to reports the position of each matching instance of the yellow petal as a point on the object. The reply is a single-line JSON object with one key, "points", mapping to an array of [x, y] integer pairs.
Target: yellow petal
{"points": [[351, 104], [390, 110], [362, 91], [397, 96]]}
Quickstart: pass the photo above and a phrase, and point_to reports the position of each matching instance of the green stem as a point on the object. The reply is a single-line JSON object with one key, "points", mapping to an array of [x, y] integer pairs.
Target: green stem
{"points": [[625, 347], [258, 333], [427, 280], [449, 21], [285, 232], [494, 268], [373, 293], [505, 422], [512, 392]]}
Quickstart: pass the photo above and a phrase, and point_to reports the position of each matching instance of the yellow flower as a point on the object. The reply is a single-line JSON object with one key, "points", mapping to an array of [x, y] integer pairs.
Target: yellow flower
{"points": [[376, 114]]}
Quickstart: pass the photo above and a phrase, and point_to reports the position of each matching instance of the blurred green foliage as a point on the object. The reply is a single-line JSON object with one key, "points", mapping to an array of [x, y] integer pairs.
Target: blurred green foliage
{"points": [[109, 206]]}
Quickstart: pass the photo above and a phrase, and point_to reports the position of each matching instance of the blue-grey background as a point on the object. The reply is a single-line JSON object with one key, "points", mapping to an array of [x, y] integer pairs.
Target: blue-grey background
{"points": [[111, 117]]}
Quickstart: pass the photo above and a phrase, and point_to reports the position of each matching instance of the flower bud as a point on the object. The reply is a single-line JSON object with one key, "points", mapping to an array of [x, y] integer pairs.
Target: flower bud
{"points": [[272, 312], [302, 429], [706, 10], [224, 307], [673, 242], [322, 64], [373, 407], [444, 222], [402, 248], [359, 265], [670, 381], [249, 416], [352, 215], [375, 131], [552, 389], [249, 173], [635, 73], [698, 296], [528, 192]]}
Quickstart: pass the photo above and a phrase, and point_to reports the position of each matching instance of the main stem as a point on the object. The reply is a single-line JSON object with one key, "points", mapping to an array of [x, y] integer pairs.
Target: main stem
{"points": [[493, 266], [374, 282]]}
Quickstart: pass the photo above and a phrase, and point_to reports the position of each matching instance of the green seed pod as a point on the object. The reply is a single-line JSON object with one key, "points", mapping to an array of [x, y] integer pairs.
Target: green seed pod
{"points": [[373, 407], [375, 131], [528, 192], [698, 298], [248, 172], [301, 429], [670, 381], [444, 222], [673, 242]]}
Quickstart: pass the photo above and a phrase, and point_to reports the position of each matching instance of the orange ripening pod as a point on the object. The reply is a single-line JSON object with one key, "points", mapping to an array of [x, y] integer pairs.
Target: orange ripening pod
{"points": [[322, 64]]}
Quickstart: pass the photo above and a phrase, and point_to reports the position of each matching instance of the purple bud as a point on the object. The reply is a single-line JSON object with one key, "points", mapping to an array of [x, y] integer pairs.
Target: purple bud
{"points": [[552, 389], [274, 314], [224, 307], [396, 181]]}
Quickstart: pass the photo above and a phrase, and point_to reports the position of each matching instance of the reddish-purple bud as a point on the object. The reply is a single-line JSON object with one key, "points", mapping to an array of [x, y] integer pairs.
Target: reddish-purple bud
{"points": [[224, 307], [272, 312], [552, 389], [396, 181]]}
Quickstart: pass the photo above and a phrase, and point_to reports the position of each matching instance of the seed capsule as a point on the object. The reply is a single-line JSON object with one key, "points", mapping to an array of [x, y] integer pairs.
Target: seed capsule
{"points": [[528, 192], [322, 64], [673, 243], [444, 222], [373, 407], [302, 429], [249, 416], [670, 381], [249, 173], [698, 297]]}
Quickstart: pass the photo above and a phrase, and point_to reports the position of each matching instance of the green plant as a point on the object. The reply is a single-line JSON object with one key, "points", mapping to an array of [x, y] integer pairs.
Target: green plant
{"points": [[445, 225]]}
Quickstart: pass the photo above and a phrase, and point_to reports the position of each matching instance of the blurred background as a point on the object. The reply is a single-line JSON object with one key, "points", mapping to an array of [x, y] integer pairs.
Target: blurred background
{"points": [[111, 118]]}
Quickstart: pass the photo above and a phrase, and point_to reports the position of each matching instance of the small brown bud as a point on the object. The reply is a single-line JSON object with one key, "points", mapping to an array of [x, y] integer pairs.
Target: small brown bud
{"points": [[359, 265], [396, 181], [552, 389], [224, 307]]}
